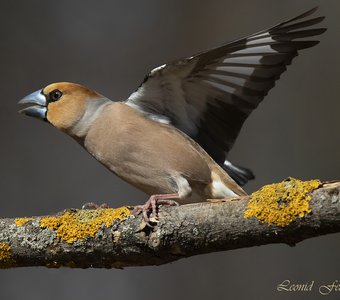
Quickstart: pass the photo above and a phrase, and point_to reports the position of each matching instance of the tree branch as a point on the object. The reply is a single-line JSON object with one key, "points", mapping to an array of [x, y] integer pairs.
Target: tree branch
{"points": [[113, 239]]}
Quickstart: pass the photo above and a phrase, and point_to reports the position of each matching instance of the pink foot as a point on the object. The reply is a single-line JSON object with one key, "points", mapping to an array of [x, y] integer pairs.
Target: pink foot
{"points": [[154, 200]]}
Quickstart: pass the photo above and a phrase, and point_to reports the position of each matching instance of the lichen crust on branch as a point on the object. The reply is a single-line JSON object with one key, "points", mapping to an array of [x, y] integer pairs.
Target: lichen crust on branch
{"points": [[6, 260], [281, 203], [79, 224], [22, 221], [113, 238]]}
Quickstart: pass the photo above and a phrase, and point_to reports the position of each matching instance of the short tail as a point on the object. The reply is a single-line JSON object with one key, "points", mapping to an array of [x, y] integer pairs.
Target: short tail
{"points": [[240, 174]]}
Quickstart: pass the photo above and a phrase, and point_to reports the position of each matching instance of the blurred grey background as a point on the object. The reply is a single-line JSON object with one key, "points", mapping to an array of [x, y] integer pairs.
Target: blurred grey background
{"points": [[110, 46]]}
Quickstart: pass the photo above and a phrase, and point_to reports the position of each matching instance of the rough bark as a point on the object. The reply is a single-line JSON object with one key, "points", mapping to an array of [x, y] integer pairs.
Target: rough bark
{"points": [[181, 232]]}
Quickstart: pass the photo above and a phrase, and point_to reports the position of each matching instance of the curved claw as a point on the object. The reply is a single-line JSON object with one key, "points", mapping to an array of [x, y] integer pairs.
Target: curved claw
{"points": [[152, 203]]}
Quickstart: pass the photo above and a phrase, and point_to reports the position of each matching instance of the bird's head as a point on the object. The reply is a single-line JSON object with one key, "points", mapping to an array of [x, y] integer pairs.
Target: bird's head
{"points": [[67, 106]]}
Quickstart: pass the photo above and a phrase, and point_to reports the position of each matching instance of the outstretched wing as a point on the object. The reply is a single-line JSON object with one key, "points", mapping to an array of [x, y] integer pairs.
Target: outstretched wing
{"points": [[209, 96]]}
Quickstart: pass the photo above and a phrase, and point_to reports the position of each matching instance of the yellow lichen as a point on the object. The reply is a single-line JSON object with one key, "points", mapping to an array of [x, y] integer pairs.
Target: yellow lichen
{"points": [[6, 260], [72, 226], [22, 221], [281, 203]]}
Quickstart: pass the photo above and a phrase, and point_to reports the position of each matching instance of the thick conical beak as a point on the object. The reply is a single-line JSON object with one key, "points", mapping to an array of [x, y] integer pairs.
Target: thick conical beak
{"points": [[38, 109]]}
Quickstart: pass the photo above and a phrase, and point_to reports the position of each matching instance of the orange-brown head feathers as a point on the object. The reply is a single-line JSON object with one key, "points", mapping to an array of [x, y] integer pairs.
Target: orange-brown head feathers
{"points": [[69, 107], [64, 112]]}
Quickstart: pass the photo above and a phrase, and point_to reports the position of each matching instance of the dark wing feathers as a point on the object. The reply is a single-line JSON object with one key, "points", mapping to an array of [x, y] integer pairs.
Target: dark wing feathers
{"points": [[210, 95]]}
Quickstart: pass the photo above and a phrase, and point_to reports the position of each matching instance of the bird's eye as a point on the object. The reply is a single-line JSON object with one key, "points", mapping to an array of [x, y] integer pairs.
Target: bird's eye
{"points": [[55, 95]]}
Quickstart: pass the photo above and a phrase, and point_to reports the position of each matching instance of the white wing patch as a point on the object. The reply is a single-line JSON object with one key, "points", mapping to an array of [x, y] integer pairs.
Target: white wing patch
{"points": [[237, 70], [221, 86], [253, 60], [257, 49], [260, 41]]}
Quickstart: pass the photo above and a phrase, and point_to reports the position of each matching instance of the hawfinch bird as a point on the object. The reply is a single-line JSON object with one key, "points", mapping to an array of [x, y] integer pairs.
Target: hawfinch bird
{"points": [[171, 136]]}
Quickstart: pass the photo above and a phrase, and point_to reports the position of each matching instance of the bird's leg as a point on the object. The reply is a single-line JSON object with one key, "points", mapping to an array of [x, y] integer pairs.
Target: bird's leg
{"points": [[153, 201], [92, 205]]}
